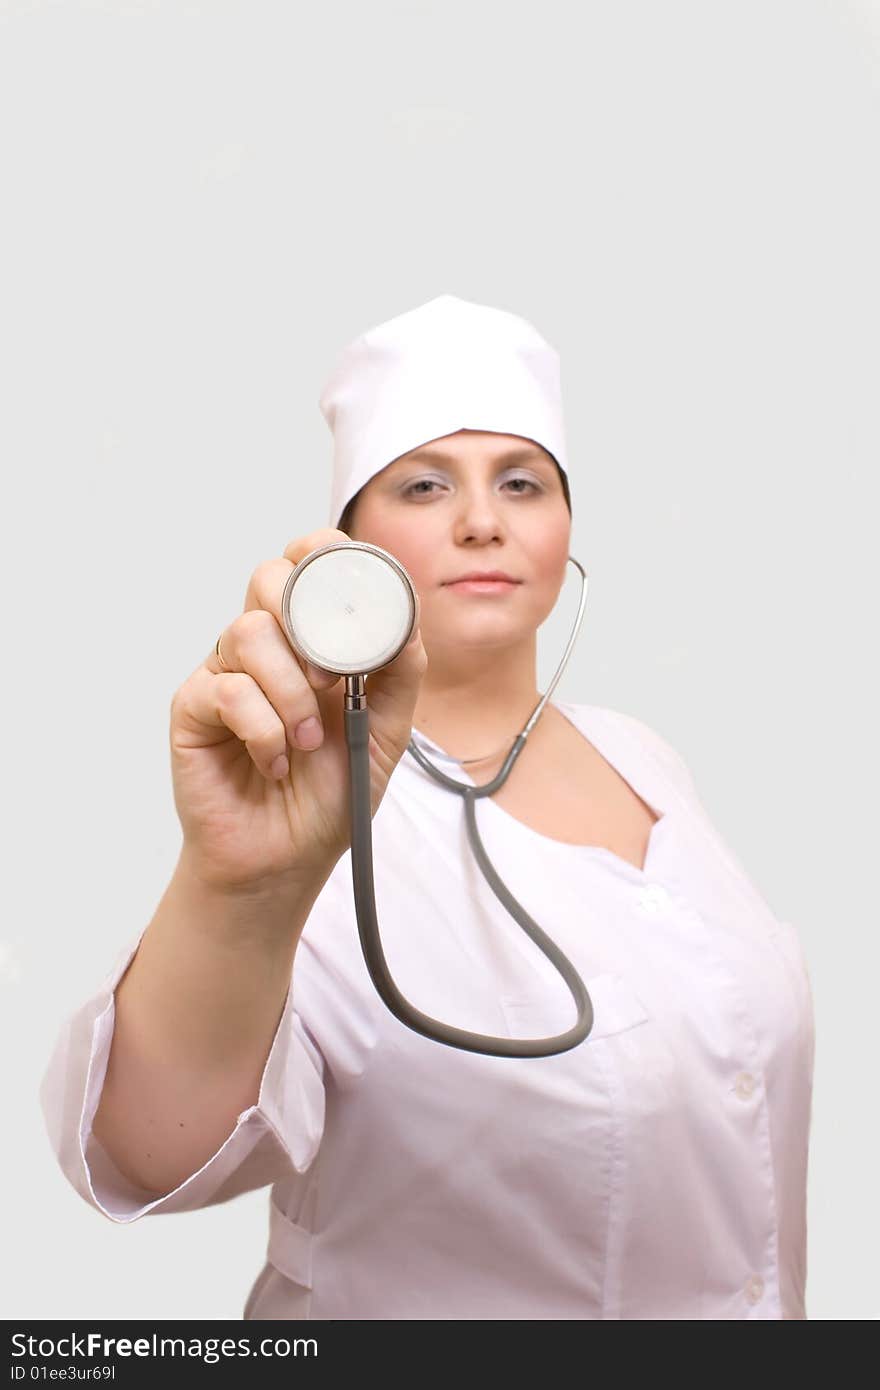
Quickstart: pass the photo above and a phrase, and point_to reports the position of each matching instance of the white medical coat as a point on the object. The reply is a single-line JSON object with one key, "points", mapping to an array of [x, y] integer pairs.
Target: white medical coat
{"points": [[658, 1170]]}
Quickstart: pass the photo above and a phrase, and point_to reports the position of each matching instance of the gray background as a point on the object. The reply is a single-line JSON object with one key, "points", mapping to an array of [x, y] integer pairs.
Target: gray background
{"points": [[202, 203]]}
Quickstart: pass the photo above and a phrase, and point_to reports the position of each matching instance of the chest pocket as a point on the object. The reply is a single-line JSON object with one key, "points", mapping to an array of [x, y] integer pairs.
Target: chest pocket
{"points": [[615, 1008]]}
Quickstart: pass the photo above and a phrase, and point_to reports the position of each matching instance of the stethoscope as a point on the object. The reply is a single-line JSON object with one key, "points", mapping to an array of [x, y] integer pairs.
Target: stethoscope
{"points": [[350, 608]]}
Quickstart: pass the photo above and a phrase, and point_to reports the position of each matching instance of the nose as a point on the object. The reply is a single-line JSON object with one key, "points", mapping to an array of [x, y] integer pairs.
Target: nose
{"points": [[478, 517]]}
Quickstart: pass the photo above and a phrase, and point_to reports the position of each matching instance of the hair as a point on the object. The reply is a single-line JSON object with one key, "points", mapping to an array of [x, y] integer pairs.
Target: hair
{"points": [[346, 521]]}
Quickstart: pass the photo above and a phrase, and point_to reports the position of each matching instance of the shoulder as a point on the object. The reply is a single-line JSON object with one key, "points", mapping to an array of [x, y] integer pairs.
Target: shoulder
{"points": [[649, 740]]}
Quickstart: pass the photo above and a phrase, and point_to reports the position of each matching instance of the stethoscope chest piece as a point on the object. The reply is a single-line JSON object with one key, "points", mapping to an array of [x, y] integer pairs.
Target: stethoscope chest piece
{"points": [[349, 608]]}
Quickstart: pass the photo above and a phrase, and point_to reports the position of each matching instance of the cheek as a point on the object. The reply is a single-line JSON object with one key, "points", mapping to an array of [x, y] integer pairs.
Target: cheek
{"points": [[551, 557], [550, 561], [412, 546]]}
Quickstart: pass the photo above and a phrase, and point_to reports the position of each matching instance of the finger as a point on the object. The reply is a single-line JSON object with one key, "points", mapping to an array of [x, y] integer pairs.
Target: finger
{"points": [[258, 646], [266, 590], [302, 546], [232, 700]]}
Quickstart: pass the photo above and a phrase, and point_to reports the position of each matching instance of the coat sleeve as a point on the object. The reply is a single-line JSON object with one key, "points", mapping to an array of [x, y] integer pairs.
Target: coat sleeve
{"points": [[271, 1140]]}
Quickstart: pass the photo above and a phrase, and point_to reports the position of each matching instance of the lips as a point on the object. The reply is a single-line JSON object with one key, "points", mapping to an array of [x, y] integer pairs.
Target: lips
{"points": [[484, 576]]}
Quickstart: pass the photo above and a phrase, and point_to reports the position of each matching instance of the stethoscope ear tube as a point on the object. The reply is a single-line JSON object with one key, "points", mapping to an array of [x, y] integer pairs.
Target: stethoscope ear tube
{"points": [[357, 734]]}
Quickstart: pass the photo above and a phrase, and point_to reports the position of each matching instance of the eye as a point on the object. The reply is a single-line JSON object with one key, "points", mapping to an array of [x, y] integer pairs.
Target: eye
{"points": [[528, 482], [419, 483]]}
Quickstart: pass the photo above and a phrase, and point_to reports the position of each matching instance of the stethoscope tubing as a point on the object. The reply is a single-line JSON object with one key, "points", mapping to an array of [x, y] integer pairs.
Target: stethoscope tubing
{"points": [[357, 726]]}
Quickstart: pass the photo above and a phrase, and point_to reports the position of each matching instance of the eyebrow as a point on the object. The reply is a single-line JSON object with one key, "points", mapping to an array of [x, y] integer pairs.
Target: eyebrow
{"points": [[527, 454]]}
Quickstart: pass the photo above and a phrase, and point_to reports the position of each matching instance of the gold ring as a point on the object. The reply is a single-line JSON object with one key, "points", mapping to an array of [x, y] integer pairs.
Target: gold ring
{"points": [[220, 654]]}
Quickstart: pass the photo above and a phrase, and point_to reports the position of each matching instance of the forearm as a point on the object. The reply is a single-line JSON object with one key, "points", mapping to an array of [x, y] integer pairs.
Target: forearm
{"points": [[195, 1016]]}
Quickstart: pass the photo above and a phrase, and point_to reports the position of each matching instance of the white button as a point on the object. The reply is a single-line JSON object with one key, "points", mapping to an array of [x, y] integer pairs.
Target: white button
{"points": [[754, 1288], [654, 897], [745, 1085]]}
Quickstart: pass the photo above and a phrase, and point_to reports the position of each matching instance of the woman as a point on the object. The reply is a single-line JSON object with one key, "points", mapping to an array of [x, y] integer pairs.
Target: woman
{"points": [[657, 1170]]}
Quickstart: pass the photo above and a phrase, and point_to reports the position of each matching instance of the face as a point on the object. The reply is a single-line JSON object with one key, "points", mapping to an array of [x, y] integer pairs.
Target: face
{"points": [[472, 501]]}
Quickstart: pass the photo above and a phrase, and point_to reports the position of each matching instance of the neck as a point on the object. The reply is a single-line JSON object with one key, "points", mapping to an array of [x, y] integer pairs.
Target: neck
{"points": [[472, 716]]}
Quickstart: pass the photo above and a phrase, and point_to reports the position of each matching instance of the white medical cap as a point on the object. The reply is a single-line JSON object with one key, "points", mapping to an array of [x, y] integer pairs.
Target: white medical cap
{"points": [[448, 365]]}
